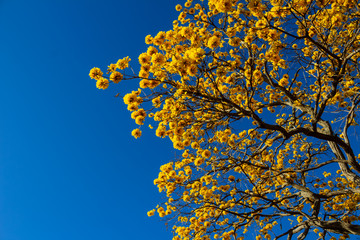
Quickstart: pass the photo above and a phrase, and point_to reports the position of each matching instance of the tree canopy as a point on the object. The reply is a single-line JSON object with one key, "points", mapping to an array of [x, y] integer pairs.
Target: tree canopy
{"points": [[261, 98]]}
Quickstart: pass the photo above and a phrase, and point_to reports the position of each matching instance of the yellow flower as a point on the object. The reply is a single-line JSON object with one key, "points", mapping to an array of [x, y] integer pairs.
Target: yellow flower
{"points": [[160, 132], [197, 54], [186, 32], [144, 58], [130, 98], [159, 38], [283, 82], [158, 59], [223, 5], [199, 161], [151, 213], [178, 7], [186, 198], [206, 154], [111, 68], [260, 24], [139, 120], [179, 48], [123, 63], [248, 39], [178, 145], [213, 42], [136, 133], [144, 83], [116, 77], [195, 145], [143, 74], [145, 67], [141, 112], [148, 39], [156, 102], [133, 107], [151, 50], [234, 42], [102, 83], [192, 70], [95, 73]]}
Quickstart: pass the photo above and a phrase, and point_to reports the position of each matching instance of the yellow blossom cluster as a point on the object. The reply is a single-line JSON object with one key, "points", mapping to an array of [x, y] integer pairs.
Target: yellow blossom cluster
{"points": [[115, 76]]}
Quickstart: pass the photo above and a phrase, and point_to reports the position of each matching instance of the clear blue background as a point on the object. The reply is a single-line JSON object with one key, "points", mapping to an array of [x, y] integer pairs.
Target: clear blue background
{"points": [[69, 167]]}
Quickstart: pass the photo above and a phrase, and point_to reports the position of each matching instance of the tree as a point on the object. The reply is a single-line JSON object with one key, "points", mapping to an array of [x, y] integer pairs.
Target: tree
{"points": [[262, 99]]}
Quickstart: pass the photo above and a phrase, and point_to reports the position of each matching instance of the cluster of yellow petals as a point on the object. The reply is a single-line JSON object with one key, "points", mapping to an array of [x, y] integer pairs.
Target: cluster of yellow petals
{"points": [[115, 76]]}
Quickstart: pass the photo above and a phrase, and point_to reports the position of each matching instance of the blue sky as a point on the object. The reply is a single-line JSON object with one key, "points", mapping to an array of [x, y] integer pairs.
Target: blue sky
{"points": [[69, 168]]}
